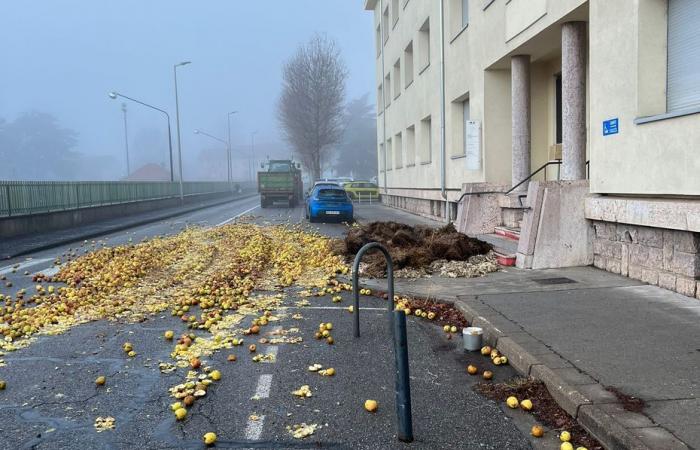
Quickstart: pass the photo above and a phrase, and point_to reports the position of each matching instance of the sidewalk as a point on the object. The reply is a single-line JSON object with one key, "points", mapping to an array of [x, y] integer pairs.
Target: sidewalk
{"points": [[581, 330], [22, 245]]}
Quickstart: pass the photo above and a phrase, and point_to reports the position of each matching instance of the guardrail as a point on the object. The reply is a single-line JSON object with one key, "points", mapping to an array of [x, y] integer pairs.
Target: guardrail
{"points": [[32, 197]]}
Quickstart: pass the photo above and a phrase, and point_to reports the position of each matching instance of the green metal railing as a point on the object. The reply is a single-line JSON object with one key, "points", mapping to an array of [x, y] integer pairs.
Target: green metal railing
{"points": [[32, 197]]}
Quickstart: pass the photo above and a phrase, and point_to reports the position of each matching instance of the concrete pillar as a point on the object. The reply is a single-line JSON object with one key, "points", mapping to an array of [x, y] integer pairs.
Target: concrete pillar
{"points": [[573, 82], [520, 107]]}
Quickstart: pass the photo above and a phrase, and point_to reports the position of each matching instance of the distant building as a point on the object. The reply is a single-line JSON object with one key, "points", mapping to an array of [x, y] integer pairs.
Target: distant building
{"points": [[604, 95], [149, 172]]}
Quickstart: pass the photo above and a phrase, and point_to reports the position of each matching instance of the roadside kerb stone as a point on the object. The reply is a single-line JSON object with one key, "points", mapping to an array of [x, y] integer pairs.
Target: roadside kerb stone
{"points": [[593, 411], [602, 426], [608, 431]]}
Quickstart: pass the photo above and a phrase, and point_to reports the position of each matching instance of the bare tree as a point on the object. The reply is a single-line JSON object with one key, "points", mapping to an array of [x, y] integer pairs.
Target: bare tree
{"points": [[311, 108]]}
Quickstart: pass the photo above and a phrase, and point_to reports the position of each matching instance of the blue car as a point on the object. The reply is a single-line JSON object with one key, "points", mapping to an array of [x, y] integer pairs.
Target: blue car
{"points": [[328, 202]]}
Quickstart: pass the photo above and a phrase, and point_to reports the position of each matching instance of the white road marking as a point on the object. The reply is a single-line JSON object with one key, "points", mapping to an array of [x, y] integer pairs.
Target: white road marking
{"points": [[49, 271], [35, 262], [264, 386], [237, 216], [344, 308], [273, 350], [254, 429]]}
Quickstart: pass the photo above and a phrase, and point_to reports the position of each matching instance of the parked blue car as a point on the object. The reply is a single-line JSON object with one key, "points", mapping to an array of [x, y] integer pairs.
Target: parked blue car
{"points": [[328, 202]]}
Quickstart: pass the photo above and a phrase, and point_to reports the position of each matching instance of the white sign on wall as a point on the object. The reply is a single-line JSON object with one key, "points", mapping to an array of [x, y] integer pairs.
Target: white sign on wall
{"points": [[473, 145]]}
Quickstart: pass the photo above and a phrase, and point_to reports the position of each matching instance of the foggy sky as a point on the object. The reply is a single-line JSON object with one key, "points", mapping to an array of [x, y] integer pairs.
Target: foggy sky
{"points": [[64, 56]]}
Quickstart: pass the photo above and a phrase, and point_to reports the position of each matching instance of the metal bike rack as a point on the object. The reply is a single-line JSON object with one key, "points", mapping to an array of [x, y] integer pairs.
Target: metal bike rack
{"points": [[397, 328]]}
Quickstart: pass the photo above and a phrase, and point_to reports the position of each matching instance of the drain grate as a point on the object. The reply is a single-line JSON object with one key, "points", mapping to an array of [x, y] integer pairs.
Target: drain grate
{"points": [[557, 280]]}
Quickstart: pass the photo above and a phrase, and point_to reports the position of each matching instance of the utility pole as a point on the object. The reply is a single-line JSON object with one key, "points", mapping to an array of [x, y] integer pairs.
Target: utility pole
{"points": [[177, 119], [126, 141], [252, 156]]}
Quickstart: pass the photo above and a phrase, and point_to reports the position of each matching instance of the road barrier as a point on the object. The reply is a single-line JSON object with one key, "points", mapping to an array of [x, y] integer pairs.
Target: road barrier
{"points": [[397, 328], [32, 197]]}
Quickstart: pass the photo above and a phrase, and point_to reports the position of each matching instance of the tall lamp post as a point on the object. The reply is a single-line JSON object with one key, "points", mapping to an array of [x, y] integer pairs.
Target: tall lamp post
{"points": [[177, 120], [114, 95], [252, 155], [126, 141], [230, 165], [228, 152]]}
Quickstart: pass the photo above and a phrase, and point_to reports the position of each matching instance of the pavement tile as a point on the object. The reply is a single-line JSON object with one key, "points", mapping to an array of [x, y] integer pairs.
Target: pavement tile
{"points": [[596, 393], [574, 376], [610, 432], [626, 418], [658, 438], [553, 361]]}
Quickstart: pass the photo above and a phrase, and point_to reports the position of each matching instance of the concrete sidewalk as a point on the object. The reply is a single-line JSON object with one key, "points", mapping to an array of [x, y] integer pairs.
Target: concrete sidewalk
{"points": [[581, 330]]}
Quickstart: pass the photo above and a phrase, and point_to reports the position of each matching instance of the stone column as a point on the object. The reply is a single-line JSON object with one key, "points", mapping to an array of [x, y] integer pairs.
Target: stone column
{"points": [[520, 107], [573, 82]]}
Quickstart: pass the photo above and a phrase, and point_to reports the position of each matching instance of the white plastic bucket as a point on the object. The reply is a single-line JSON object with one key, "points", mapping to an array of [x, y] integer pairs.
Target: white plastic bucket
{"points": [[472, 338]]}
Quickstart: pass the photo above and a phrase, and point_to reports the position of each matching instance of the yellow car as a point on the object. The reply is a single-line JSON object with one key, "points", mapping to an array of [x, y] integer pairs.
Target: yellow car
{"points": [[362, 190]]}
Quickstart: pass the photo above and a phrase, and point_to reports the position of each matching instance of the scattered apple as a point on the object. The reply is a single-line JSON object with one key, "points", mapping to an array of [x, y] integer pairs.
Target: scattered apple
{"points": [[209, 438], [371, 405], [101, 380], [472, 370], [512, 402], [537, 431]]}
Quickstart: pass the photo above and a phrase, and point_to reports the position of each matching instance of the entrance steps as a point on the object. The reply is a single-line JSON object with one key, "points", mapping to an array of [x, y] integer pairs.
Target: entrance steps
{"points": [[505, 243]]}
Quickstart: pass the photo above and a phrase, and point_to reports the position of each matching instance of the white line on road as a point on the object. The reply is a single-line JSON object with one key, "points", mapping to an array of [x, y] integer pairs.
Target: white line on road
{"points": [[273, 350], [49, 271], [254, 429], [264, 385], [8, 269], [344, 308], [237, 216]]}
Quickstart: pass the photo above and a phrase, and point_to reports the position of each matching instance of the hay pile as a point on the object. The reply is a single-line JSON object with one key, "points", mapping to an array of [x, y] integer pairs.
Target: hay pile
{"points": [[410, 247]]}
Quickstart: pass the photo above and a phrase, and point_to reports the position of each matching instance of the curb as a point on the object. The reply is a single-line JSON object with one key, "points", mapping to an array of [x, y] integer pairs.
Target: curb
{"points": [[124, 226], [597, 410], [586, 400]]}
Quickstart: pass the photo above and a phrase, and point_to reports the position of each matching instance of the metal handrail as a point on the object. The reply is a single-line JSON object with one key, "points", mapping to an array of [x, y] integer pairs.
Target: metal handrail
{"points": [[397, 328], [556, 162]]}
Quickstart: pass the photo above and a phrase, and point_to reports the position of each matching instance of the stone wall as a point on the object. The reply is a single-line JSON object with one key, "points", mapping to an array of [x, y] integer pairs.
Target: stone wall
{"points": [[666, 258], [433, 209]]}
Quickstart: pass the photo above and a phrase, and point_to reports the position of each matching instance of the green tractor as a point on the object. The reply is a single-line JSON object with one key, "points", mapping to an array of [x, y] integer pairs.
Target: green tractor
{"points": [[280, 183]]}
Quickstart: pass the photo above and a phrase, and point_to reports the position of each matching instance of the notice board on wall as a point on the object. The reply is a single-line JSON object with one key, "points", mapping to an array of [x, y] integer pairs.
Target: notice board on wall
{"points": [[473, 145]]}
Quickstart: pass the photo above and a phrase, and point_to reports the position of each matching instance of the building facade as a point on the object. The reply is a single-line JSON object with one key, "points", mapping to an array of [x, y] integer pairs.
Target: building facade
{"points": [[573, 123]]}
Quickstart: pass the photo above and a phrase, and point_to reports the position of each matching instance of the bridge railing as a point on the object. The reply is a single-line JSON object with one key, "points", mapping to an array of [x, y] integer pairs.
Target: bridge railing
{"points": [[33, 197]]}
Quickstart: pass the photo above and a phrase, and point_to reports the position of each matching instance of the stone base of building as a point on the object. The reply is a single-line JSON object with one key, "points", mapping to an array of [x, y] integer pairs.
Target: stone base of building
{"points": [[626, 241], [423, 203]]}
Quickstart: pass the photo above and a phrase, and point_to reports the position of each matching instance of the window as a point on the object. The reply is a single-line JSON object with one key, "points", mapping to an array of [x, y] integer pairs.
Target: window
{"points": [[426, 136], [397, 78], [390, 155], [411, 146], [424, 45], [379, 41], [387, 86], [395, 11], [408, 64], [465, 13], [683, 78], [457, 138], [385, 23], [381, 157], [380, 99], [398, 151]]}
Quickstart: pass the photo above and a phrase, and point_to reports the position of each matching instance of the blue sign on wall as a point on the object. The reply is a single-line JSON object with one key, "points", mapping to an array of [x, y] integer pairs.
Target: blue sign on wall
{"points": [[611, 126]]}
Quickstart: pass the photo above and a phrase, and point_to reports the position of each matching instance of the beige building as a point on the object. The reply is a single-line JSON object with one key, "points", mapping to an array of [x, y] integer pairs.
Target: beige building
{"points": [[569, 127]]}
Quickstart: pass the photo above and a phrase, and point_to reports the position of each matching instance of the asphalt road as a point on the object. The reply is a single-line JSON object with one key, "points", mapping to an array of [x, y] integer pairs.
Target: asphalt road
{"points": [[51, 400]]}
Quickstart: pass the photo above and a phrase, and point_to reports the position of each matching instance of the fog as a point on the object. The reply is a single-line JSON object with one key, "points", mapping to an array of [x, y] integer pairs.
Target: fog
{"points": [[61, 58]]}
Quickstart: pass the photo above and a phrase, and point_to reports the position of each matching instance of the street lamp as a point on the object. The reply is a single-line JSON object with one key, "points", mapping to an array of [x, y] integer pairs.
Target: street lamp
{"points": [[230, 166], [252, 155], [177, 120], [228, 152], [126, 141], [114, 95]]}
